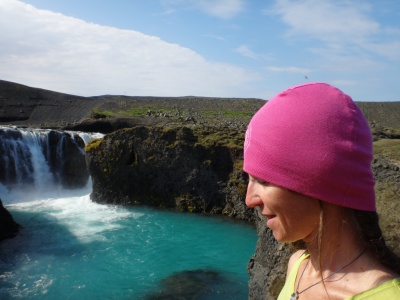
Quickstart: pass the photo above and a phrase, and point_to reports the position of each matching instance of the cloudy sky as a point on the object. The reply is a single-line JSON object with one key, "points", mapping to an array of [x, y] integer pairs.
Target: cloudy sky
{"points": [[218, 48]]}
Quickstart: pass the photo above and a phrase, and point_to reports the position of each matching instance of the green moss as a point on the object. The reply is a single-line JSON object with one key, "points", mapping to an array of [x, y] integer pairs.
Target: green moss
{"points": [[223, 137], [387, 194], [93, 144], [237, 179], [238, 113], [388, 147], [207, 162], [137, 111], [230, 113], [99, 113], [211, 113], [191, 208], [131, 111], [185, 203]]}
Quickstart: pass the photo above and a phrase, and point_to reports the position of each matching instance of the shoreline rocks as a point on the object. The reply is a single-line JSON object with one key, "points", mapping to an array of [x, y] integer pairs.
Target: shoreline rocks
{"points": [[8, 227]]}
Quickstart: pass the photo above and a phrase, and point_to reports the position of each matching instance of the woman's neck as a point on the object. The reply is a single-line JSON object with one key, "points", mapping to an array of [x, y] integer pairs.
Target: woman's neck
{"points": [[337, 243]]}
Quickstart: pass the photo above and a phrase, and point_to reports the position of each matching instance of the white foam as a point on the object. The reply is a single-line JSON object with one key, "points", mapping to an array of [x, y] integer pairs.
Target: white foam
{"points": [[86, 137], [85, 219]]}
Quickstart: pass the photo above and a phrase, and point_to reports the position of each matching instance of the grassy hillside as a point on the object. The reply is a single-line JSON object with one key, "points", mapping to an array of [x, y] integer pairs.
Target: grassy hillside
{"points": [[23, 105]]}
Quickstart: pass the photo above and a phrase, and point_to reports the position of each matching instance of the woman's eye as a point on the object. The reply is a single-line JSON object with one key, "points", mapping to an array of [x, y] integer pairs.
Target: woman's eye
{"points": [[258, 180], [262, 182]]}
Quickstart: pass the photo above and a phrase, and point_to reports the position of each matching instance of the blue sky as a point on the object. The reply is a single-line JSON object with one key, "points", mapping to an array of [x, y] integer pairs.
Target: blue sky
{"points": [[216, 48]]}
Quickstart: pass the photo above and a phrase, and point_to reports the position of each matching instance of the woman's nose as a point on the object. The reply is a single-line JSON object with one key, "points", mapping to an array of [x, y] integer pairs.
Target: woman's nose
{"points": [[252, 199]]}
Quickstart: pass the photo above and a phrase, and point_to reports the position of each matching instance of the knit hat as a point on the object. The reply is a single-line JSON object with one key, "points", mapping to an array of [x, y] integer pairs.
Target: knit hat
{"points": [[314, 140]]}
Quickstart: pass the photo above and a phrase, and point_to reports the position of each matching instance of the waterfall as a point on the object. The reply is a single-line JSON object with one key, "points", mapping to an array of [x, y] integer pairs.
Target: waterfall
{"points": [[41, 160]]}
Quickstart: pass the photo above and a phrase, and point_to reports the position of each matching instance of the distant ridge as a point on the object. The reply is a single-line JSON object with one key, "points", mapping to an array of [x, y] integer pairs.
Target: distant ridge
{"points": [[28, 106], [20, 103]]}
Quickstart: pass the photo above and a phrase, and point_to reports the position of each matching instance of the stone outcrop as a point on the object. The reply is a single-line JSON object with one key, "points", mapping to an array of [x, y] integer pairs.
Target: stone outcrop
{"points": [[267, 267], [69, 168], [8, 227], [193, 169]]}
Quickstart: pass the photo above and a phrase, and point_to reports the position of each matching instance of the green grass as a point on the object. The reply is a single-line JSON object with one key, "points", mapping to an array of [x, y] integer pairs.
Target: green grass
{"points": [[388, 147], [210, 138], [98, 113], [229, 113], [136, 111], [131, 112]]}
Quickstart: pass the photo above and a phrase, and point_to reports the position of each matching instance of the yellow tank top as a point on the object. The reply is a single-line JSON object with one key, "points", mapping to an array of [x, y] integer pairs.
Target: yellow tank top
{"points": [[288, 288], [388, 290]]}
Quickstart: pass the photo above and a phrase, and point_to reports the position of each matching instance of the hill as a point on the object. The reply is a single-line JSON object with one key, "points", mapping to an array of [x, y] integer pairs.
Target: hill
{"points": [[27, 106]]}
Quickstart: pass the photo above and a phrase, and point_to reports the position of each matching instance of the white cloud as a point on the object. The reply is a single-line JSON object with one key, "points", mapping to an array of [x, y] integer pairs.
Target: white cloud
{"points": [[215, 37], [389, 49], [289, 70], [327, 20], [45, 49], [246, 51], [224, 9], [342, 31]]}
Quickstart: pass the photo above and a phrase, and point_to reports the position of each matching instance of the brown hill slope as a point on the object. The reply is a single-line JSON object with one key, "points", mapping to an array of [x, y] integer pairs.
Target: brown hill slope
{"points": [[23, 105]]}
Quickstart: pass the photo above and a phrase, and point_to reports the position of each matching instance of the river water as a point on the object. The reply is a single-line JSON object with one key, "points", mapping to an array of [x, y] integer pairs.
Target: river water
{"points": [[72, 248]]}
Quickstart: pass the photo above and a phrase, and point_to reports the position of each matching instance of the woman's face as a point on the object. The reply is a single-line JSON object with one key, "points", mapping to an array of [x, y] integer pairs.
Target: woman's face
{"points": [[291, 216]]}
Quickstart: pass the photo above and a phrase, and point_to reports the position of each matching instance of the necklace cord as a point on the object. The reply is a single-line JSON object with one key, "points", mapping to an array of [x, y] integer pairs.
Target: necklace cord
{"points": [[297, 293]]}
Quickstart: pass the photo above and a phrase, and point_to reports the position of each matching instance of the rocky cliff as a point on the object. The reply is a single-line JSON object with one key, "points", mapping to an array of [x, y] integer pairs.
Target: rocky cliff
{"points": [[192, 169], [8, 227]]}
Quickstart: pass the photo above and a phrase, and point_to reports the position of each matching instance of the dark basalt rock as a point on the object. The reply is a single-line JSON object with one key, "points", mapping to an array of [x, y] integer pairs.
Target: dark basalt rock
{"points": [[190, 169], [195, 284], [71, 169], [8, 227]]}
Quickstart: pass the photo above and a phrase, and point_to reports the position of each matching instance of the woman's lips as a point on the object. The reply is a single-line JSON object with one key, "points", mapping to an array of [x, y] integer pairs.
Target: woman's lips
{"points": [[270, 219], [260, 215], [264, 217]]}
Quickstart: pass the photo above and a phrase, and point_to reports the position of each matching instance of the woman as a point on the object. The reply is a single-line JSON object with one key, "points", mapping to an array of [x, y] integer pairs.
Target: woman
{"points": [[308, 153]]}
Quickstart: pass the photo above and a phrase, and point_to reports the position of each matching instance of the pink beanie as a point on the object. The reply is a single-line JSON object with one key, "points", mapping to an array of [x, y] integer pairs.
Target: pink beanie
{"points": [[314, 140]]}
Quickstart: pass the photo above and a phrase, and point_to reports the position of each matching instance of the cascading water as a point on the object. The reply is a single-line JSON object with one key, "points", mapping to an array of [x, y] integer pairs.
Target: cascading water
{"points": [[39, 162], [37, 159], [70, 247]]}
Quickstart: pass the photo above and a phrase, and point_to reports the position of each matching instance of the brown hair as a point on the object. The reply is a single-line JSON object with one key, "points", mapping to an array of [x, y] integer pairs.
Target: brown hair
{"points": [[371, 233]]}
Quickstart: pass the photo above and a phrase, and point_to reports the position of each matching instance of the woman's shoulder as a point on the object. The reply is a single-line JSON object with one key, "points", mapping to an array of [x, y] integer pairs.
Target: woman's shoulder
{"points": [[294, 258], [296, 255], [387, 290]]}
